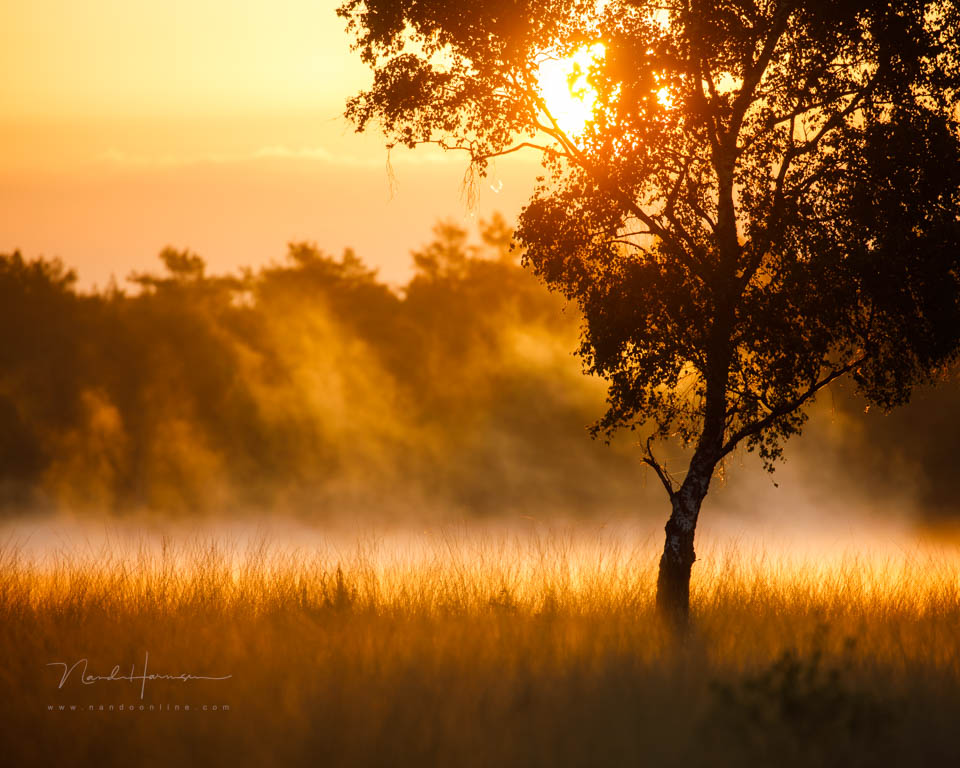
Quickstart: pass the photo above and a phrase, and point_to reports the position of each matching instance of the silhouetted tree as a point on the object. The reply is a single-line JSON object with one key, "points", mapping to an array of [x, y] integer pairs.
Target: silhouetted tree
{"points": [[40, 320], [765, 200]]}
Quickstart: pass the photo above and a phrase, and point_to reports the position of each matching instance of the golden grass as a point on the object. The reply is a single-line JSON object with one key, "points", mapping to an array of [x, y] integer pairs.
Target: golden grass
{"points": [[462, 649]]}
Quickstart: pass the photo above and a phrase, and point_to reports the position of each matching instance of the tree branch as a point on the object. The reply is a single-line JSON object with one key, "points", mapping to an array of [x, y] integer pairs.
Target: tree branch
{"points": [[651, 461], [787, 408], [780, 195], [754, 74]]}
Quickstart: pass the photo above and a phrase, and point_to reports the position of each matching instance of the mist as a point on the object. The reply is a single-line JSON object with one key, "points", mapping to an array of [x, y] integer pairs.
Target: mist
{"points": [[311, 388]]}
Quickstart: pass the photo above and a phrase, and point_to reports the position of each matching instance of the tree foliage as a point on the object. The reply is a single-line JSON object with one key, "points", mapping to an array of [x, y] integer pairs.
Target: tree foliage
{"points": [[766, 198]]}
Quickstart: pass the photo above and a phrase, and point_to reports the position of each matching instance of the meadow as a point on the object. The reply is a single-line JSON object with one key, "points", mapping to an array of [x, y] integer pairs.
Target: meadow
{"points": [[465, 648]]}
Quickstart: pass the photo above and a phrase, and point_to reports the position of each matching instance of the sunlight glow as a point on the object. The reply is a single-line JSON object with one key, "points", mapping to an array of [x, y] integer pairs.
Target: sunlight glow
{"points": [[569, 98], [664, 97]]}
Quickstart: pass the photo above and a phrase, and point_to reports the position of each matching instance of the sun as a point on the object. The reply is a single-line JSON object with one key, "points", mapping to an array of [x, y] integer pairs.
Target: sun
{"points": [[563, 84]]}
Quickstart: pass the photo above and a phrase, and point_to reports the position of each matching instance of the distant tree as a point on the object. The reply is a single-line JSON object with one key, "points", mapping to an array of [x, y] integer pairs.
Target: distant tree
{"points": [[40, 358], [186, 270], [764, 199]]}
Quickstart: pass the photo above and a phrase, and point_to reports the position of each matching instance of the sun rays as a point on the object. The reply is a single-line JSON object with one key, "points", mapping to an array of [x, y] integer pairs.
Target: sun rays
{"points": [[565, 88]]}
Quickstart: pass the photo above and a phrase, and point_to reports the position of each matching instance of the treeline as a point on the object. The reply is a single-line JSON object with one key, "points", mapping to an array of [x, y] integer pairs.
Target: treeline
{"points": [[308, 384], [311, 386]]}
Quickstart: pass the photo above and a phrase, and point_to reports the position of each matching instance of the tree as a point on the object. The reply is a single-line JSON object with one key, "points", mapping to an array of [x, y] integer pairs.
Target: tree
{"points": [[764, 199]]}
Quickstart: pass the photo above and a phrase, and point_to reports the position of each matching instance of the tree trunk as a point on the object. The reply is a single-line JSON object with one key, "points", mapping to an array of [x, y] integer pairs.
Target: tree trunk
{"points": [[673, 581]]}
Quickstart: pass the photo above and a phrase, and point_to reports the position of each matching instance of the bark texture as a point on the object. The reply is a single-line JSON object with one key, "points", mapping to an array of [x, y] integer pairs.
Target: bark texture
{"points": [[676, 562]]}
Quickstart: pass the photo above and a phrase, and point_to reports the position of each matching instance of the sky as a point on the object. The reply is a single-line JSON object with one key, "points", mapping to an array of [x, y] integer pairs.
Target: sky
{"points": [[214, 125]]}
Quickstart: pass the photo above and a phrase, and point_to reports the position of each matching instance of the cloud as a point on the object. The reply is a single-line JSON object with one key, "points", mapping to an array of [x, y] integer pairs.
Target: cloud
{"points": [[283, 152]]}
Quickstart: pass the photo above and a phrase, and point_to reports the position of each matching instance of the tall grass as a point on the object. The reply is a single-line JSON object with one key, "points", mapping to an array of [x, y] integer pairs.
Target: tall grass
{"points": [[463, 649]]}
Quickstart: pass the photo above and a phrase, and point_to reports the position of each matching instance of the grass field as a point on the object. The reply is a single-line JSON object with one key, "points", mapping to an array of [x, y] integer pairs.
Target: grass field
{"points": [[476, 649]]}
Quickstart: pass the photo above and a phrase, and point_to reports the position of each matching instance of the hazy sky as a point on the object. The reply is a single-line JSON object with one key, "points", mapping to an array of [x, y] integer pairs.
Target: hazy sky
{"points": [[126, 125]]}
